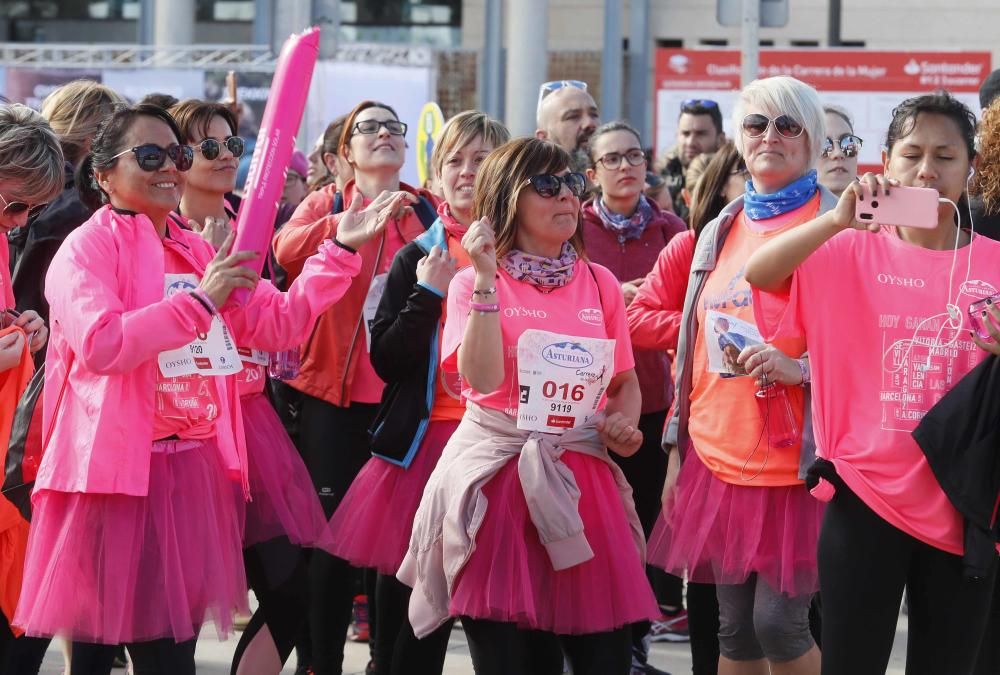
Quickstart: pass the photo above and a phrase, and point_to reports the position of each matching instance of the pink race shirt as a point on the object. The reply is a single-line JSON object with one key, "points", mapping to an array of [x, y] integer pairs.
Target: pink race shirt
{"points": [[873, 311], [590, 305], [185, 406]]}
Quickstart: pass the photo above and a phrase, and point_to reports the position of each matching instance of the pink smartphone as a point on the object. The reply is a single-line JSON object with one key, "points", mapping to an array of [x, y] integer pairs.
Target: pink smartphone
{"points": [[903, 206]]}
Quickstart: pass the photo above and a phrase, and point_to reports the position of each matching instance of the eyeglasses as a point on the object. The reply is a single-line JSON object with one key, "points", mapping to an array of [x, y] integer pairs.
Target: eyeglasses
{"points": [[211, 148], [849, 144], [755, 125], [13, 209], [698, 103], [613, 160], [151, 157], [394, 127], [548, 185], [555, 85]]}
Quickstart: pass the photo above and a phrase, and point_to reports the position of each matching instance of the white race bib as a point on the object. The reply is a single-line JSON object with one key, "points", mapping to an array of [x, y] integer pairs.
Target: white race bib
{"points": [[254, 356], [213, 353], [374, 296], [561, 379]]}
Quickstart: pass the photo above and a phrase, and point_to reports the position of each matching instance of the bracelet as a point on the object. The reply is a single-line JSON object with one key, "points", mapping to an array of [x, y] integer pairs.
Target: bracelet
{"points": [[484, 308], [344, 246], [804, 369], [485, 291], [206, 302]]}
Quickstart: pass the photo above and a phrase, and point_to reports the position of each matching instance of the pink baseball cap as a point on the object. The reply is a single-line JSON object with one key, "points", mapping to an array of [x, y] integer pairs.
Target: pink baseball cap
{"points": [[299, 164]]}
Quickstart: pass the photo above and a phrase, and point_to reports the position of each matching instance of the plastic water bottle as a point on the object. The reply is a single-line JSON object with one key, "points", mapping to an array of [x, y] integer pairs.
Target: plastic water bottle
{"points": [[776, 413], [285, 365]]}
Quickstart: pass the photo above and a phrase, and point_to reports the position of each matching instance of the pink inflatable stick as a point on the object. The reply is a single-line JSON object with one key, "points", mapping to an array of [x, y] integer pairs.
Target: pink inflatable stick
{"points": [[275, 144]]}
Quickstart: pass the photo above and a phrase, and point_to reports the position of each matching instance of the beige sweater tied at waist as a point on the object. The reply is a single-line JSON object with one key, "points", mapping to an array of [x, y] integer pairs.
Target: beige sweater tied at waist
{"points": [[453, 505]]}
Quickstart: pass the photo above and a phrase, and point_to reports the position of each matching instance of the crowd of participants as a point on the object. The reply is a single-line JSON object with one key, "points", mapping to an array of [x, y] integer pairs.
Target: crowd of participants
{"points": [[577, 399]]}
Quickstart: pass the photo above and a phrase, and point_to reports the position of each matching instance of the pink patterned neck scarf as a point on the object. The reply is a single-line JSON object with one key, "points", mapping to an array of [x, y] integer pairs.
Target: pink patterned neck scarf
{"points": [[547, 274]]}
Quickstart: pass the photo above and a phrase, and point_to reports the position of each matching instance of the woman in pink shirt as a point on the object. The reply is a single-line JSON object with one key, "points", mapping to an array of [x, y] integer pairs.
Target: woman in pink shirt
{"points": [[135, 538], [527, 528], [885, 313], [284, 510]]}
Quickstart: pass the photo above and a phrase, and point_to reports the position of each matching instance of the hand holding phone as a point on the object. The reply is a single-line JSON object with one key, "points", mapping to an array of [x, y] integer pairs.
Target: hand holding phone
{"points": [[901, 206], [976, 316]]}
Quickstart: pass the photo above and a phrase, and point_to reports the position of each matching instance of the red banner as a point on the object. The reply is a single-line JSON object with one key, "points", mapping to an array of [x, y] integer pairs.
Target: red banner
{"points": [[827, 69]]}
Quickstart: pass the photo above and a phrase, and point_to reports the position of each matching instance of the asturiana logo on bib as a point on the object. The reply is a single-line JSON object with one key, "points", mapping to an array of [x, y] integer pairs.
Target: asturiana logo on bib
{"points": [[591, 315], [567, 355], [978, 289]]}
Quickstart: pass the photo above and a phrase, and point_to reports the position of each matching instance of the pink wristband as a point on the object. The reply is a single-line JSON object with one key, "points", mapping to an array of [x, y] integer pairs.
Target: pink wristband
{"points": [[484, 308]]}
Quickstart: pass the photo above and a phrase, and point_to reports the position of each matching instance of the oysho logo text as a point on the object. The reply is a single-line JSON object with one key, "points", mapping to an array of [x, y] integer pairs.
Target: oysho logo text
{"points": [[892, 280], [525, 311]]}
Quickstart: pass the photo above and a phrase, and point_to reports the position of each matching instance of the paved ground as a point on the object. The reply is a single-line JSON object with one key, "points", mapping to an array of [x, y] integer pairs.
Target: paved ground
{"points": [[214, 657]]}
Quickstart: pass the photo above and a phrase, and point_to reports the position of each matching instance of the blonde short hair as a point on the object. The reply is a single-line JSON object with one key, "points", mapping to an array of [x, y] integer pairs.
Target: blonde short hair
{"points": [[781, 95], [31, 159], [75, 111], [461, 129]]}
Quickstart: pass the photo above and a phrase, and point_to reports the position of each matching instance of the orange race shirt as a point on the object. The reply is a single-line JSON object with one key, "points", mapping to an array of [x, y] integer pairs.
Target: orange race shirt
{"points": [[725, 424]]}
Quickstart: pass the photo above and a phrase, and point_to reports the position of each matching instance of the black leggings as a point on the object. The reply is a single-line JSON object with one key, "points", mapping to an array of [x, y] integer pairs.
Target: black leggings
{"points": [[277, 573], [645, 472], [24, 655], [397, 649], [162, 657], [864, 563], [703, 628], [334, 444], [502, 649]]}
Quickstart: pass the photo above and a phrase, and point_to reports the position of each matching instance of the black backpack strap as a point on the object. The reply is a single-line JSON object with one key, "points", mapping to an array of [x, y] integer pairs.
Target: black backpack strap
{"points": [[425, 212]]}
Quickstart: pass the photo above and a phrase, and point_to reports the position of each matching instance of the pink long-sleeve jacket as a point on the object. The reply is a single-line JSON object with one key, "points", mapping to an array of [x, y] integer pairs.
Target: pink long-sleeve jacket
{"points": [[110, 321]]}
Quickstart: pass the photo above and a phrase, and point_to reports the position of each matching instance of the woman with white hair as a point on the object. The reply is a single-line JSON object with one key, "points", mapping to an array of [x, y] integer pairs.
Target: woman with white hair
{"points": [[738, 514]]}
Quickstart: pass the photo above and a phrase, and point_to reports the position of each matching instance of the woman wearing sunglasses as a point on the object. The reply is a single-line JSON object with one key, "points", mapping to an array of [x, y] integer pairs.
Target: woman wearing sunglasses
{"points": [[838, 165], [210, 129], [738, 515], [341, 390], [135, 538], [284, 510], [893, 519], [542, 547], [31, 172], [625, 232]]}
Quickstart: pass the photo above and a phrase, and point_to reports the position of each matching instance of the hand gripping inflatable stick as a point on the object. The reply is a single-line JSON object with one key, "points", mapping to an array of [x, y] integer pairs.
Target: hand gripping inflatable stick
{"points": [[275, 144]]}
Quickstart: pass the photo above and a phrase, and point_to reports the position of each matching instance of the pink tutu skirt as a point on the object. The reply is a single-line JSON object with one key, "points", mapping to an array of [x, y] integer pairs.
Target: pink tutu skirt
{"points": [[720, 533], [116, 568], [372, 525], [283, 499], [510, 578]]}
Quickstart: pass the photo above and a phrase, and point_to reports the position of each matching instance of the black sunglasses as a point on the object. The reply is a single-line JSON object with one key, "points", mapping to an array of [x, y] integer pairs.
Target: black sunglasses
{"points": [[211, 148], [755, 125], [394, 127], [151, 157], [12, 209], [548, 185], [849, 144]]}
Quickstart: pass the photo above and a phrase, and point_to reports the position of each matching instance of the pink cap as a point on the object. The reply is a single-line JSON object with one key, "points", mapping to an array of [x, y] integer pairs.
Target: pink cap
{"points": [[299, 164]]}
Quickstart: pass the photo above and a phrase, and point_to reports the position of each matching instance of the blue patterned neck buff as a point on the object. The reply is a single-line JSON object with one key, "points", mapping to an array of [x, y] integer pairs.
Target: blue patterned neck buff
{"points": [[792, 196], [625, 227]]}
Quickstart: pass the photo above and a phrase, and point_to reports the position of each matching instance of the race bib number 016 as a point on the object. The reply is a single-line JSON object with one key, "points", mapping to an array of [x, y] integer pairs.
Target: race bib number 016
{"points": [[561, 379], [213, 353]]}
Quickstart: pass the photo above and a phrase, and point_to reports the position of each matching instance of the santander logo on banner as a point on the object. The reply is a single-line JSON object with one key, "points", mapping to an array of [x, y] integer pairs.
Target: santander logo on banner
{"points": [[827, 69]]}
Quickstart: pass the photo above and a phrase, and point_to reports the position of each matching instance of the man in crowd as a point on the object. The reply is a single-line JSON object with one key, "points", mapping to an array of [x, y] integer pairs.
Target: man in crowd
{"points": [[699, 129], [567, 116]]}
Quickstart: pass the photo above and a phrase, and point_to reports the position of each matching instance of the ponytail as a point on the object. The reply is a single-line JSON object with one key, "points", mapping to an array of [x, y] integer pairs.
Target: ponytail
{"points": [[91, 194]]}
